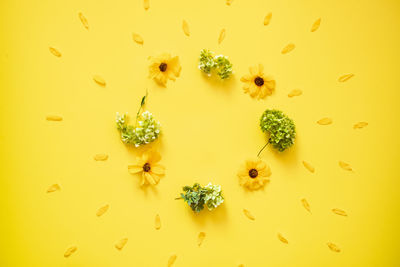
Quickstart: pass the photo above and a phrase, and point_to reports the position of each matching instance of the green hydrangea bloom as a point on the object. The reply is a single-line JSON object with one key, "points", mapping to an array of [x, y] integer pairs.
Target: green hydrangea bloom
{"points": [[208, 62], [147, 129], [197, 197], [280, 127]]}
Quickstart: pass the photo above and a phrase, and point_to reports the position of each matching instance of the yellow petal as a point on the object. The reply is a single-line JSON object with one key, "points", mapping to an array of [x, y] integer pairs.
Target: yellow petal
{"points": [[308, 166], [339, 212], [121, 243], [315, 25], [158, 169], [157, 222], [149, 178], [83, 20], [221, 36], [137, 38], [229, 2], [360, 125], [288, 48], [100, 157], [333, 247], [325, 121], [247, 78], [146, 4], [282, 239], [260, 69], [185, 27], [55, 52], [175, 66], [267, 19], [135, 168], [171, 260], [295, 92], [99, 80], [253, 71], [54, 118], [345, 77], [53, 188], [102, 210], [248, 214], [70, 251], [153, 157], [201, 238], [305, 204], [345, 166]]}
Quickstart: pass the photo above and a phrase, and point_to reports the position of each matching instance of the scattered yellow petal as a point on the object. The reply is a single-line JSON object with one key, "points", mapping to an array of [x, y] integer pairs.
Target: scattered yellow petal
{"points": [[288, 48], [137, 38], [100, 157], [267, 19], [295, 92], [345, 166], [55, 52], [185, 27], [308, 166], [339, 212], [316, 25], [282, 239], [200, 238], [345, 77], [146, 4], [102, 210], [325, 121], [54, 118], [333, 247], [171, 260], [83, 20], [248, 214], [70, 251], [360, 125], [99, 80], [229, 2], [120, 244], [221, 36], [53, 188], [306, 205], [241, 265], [157, 222]]}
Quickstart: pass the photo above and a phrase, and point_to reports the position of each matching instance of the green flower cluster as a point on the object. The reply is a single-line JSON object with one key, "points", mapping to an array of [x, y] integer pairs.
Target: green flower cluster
{"points": [[147, 129], [219, 63], [197, 197], [280, 128]]}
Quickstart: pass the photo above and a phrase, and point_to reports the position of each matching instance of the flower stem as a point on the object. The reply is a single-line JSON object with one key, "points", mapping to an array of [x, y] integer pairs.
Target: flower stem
{"points": [[142, 103], [258, 155]]}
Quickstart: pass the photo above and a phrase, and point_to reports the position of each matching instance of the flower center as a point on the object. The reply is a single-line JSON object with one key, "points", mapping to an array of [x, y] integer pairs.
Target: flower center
{"points": [[146, 167], [163, 67], [253, 173], [259, 81]]}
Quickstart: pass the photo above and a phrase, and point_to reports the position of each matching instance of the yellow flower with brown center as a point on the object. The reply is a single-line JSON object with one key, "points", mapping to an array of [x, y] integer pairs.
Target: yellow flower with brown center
{"points": [[254, 174], [147, 165], [164, 67], [257, 84]]}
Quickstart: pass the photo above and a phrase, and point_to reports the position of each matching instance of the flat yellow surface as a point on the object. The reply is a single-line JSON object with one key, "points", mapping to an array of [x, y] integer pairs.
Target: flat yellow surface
{"points": [[209, 129]]}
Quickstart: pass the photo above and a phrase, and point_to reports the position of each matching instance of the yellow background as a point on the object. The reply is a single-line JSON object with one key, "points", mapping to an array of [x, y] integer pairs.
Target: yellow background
{"points": [[209, 129]]}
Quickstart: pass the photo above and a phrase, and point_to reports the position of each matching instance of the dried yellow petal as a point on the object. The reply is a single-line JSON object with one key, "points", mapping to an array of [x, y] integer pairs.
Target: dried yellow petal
{"points": [[248, 214], [360, 125], [99, 80], [325, 121], [83, 20], [288, 48], [308, 166], [306, 205], [53, 188], [267, 19], [100, 157], [157, 222], [241, 265], [200, 238], [54, 118], [221, 36], [282, 239], [146, 4], [102, 210], [229, 2], [333, 247], [137, 38], [55, 52], [185, 27], [316, 25], [171, 260], [345, 166], [70, 251], [120, 244], [339, 212], [345, 77], [295, 92]]}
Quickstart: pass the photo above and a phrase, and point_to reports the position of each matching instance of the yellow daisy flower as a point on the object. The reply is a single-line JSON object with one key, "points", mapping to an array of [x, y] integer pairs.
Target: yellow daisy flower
{"points": [[148, 166], [257, 84], [254, 174], [164, 67]]}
